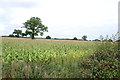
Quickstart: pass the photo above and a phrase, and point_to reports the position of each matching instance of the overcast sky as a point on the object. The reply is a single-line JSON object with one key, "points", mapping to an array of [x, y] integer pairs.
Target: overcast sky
{"points": [[64, 18]]}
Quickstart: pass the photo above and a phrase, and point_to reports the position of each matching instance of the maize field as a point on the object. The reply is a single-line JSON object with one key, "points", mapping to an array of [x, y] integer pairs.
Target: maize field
{"points": [[48, 58]]}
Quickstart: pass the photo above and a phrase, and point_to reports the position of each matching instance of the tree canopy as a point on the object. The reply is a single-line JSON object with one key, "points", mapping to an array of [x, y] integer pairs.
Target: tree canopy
{"points": [[84, 37], [75, 38], [48, 37], [17, 32], [35, 26]]}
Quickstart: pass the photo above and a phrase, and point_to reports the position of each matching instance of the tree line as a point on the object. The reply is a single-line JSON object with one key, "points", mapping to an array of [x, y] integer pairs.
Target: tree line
{"points": [[34, 26]]}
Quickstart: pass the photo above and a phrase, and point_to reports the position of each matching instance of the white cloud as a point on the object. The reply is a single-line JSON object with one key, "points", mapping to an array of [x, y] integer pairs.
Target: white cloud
{"points": [[18, 3], [1, 11], [2, 27], [63, 17]]}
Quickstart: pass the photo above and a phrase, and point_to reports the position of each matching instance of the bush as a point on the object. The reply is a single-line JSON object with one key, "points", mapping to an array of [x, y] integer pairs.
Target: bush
{"points": [[110, 40], [48, 37], [96, 40], [104, 63], [11, 35], [75, 38], [118, 41]]}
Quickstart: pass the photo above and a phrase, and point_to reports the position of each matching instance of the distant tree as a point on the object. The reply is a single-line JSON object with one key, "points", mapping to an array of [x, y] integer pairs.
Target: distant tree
{"points": [[17, 32], [55, 38], [117, 40], [84, 37], [110, 40], [96, 40], [35, 26], [48, 37], [11, 35], [75, 38]]}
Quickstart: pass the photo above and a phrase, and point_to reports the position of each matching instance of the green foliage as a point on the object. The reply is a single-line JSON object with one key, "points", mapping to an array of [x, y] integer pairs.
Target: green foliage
{"points": [[24, 34], [26, 58], [17, 32], [34, 26], [11, 35], [96, 40], [110, 40], [44, 58], [75, 38], [104, 63], [48, 37], [118, 41]]}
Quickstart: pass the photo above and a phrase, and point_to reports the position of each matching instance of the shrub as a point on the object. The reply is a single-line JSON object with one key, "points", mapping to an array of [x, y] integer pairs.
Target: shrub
{"points": [[96, 40], [110, 40], [48, 37], [104, 63], [11, 35], [118, 41], [75, 38]]}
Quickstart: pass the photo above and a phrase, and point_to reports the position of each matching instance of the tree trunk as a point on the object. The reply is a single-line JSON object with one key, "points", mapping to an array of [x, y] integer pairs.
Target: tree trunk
{"points": [[33, 34], [18, 35]]}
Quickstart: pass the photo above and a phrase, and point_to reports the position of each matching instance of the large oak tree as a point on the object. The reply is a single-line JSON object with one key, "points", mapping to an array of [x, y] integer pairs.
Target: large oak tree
{"points": [[35, 26]]}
